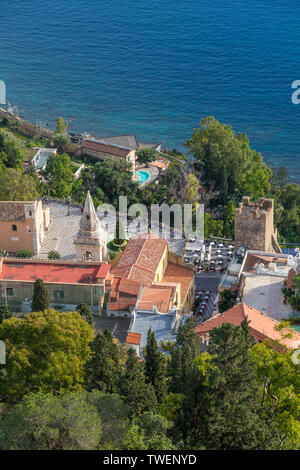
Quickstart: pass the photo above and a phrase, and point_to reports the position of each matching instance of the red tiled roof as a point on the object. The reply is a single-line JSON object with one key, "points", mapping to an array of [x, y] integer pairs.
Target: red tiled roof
{"points": [[261, 326], [123, 294], [176, 273], [133, 338], [156, 297], [57, 273], [102, 147], [141, 258], [103, 271]]}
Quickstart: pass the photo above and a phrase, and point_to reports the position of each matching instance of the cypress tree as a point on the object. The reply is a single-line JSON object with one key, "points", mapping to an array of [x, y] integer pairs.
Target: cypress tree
{"points": [[175, 371], [4, 313], [155, 367], [85, 313], [186, 335], [103, 367], [223, 409], [235, 418], [40, 299], [136, 393]]}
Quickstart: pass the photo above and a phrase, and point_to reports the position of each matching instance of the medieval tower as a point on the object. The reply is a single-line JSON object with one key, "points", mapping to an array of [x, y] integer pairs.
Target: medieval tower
{"points": [[90, 243], [254, 226]]}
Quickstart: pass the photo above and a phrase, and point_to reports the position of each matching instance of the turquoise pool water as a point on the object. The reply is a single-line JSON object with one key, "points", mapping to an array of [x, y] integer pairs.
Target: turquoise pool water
{"points": [[142, 176], [297, 328]]}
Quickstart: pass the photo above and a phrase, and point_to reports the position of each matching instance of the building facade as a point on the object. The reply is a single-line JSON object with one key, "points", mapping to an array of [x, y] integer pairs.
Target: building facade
{"points": [[68, 283], [254, 226], [23, 225], [100, 150]]}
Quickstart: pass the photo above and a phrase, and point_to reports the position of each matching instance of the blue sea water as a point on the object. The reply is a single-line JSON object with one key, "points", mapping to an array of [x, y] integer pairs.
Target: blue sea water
{"points": [[154, 68]]}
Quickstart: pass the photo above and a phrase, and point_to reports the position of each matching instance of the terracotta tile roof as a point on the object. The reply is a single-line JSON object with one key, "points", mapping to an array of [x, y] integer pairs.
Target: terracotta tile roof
{"points": [[103, 271], [129, 286], [261, 326], [156, 297], [123, 294], [141, 258], [50, 272], [133, 338], [179, 274], [103, 147], [289, 282]]}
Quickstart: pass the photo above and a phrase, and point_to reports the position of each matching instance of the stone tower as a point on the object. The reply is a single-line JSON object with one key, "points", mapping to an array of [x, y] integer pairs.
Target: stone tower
{"points": [[254, 226], [90, 243]]}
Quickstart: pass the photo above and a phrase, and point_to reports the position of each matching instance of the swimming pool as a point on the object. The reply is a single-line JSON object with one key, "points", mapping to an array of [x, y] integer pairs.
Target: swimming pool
{"points": [[142, 176]]}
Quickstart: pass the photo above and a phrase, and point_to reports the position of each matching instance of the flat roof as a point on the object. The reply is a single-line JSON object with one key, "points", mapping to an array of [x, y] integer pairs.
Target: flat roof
{"points": [[161, 325], [263, 292]]}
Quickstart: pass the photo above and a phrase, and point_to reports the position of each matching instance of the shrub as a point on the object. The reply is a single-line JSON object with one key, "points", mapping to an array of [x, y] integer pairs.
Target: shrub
{"points": [[24, 253], [54, 255]]}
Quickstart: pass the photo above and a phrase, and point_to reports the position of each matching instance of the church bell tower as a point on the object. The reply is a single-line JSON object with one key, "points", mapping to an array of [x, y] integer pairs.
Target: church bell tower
{"points": [[90, 242]]}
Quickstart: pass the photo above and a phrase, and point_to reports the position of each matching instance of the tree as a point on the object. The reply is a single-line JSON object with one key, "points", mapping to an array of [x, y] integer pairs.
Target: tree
{"points": [[235, 418], [61, 141], [4, 313], [212, 227], [17, 186], [227, 301], [226, 162], [45, 352], [119, 233], [186, 336], [41, 298], [85, 313], [10, 153], [138, 395], [175, 384], [280, 380], [47, 422], [114, 415], [103, 368], [148, 432], [61, 126], [60, 137], [59, 175], [230, 414], [155, 367], [146, 155], [114, 179], [53, 255]]}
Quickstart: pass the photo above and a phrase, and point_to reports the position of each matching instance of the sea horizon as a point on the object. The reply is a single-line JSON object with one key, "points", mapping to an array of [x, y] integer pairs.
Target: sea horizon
{"points": [[155, 69]]}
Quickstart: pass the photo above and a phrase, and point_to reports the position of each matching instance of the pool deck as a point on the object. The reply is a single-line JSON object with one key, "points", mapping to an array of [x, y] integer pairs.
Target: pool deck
{"points": [[152, 170]]}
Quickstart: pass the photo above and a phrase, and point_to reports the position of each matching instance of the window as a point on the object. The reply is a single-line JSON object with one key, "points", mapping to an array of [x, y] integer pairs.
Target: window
{"points": [[14, 228], [30, 213], [88, 256], [9, 291], [59, 294]]}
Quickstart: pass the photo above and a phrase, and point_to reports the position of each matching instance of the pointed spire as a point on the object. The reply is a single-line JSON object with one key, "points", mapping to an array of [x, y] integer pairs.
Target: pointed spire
{"points": [[89, 224]]}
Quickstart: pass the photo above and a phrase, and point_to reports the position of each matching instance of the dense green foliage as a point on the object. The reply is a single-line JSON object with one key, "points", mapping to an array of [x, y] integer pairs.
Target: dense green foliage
{"points": [[227, 300], [146, 155], [41, 298], [46, 352], [235, 396]]}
